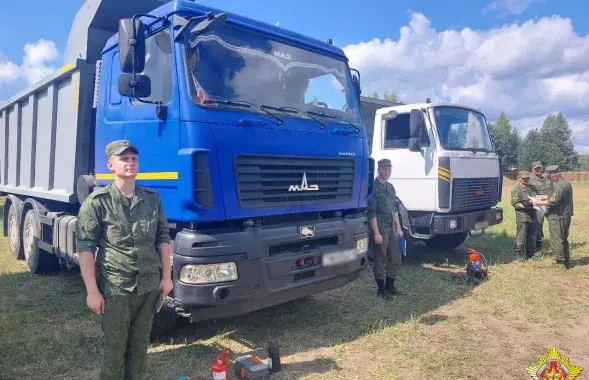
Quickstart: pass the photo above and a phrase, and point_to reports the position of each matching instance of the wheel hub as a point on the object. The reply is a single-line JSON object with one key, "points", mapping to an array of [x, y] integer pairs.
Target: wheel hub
{"points": [[13, 226], [28, 240]]}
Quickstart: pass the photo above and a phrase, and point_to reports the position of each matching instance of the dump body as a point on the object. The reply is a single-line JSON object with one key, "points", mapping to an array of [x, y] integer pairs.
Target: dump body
{"points": [[47, 135]]}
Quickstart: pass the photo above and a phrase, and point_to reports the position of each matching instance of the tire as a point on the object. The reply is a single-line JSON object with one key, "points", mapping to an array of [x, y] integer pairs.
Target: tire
{"points": [[446, 242], [163, 323], [37, 260], [14, 233]]}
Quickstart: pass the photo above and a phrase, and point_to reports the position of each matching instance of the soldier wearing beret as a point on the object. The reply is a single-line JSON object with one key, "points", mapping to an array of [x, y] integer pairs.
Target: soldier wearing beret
{"points": [[560, 212], [540, 182], [123, 229], [525, 217], [385, 230]]}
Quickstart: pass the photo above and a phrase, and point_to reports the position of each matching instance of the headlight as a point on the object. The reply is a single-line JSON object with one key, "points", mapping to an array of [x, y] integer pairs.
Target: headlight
{"points": [[362, 245], [453, 224], [208, 274]]}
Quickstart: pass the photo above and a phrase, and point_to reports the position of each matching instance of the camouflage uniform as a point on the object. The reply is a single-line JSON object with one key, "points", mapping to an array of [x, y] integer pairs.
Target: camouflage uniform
{"points": [[543, 186], [125, 234], [387, 256], [559, 216], [525, 219]]}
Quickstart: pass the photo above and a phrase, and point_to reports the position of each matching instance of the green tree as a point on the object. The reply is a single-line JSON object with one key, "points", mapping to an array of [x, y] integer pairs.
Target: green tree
{"points": [[393, 96], [532, 148], [584, 163], [559, 142], [506, 140]]}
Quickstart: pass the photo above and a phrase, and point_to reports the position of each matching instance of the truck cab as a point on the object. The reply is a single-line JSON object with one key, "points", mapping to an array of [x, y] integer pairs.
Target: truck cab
{"points": [[445, 171]]}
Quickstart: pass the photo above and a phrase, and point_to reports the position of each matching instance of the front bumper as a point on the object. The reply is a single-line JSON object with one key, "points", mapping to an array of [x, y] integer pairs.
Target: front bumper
{"points": [[468, 221], [268, 261]]}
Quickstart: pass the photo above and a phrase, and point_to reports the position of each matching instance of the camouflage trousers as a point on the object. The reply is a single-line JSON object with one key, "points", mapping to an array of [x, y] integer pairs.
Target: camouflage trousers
{"points": [[387, 256], [540, 231], [525, 239], [126, 324], [559, 236]]}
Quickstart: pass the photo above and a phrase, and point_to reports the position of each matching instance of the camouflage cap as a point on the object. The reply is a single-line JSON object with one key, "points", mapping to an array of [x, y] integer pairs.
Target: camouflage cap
{"points": [[523, 174], [119, 146], [536, 164], [552, 169], [384, 163]]}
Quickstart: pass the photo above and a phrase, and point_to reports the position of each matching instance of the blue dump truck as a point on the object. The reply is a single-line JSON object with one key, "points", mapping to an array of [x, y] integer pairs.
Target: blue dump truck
{"points": [[251, 134]]}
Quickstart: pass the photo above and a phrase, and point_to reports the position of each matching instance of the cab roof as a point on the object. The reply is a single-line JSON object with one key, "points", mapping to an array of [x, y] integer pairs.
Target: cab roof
{"points": [[190, 7]]}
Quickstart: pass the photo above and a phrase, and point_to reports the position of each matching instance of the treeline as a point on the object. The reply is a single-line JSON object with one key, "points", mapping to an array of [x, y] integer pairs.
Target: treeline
{"points": [[552, 144]]}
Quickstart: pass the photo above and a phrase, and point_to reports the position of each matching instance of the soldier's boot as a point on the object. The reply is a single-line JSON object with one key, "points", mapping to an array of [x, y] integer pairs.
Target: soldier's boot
{"points": [[391, 287], [382, 291]]}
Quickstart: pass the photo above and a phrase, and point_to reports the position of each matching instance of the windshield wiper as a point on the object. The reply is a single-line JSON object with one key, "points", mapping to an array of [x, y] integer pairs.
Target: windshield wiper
{"points": [[332, 116], [245, 104], [295, 110]]}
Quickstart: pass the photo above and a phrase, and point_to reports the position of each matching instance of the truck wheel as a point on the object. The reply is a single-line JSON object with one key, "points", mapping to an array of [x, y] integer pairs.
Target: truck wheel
{"points": [[446, 242], [14, 233], [37, 260], [163, 323]]}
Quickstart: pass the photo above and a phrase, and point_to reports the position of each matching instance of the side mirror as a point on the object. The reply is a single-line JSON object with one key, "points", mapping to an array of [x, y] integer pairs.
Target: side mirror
{"points": [[416, 120], [414, 144], [131, 41], [140, 87]]}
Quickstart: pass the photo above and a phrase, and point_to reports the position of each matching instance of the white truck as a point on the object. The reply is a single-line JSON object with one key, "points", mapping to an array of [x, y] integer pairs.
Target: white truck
{"points": [[445, 171]]}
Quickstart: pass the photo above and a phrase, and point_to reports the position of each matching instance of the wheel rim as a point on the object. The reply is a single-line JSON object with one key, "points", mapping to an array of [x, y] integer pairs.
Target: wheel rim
{"points": [[13, 226], [28, 240]]}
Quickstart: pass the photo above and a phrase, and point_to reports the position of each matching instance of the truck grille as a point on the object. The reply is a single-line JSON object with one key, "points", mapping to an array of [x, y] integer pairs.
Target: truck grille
{"points": [[474, 193], [277, 181]]}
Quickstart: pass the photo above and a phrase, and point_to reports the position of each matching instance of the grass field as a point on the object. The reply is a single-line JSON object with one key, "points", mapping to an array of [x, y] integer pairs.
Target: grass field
{"points": [[440, 330]]}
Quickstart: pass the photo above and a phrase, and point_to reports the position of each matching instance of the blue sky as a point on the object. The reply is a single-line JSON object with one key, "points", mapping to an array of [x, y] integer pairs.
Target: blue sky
{"points": [[527, 58]]}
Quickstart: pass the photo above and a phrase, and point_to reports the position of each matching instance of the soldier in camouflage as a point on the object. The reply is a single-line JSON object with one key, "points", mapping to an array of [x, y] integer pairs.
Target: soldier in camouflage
{"points": [[385, 230], [540, 182], [122, 228], [525, 217], [559, 214]]}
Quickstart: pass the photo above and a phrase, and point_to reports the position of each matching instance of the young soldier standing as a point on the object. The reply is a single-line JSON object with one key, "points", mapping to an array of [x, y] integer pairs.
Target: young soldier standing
{"points": [[559, 214], [128, 226], [385, 230], [540, 182], [525, 217]]}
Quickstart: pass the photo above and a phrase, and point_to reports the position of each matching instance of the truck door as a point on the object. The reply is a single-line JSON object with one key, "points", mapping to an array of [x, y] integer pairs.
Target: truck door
{"points": [[413, 173]]}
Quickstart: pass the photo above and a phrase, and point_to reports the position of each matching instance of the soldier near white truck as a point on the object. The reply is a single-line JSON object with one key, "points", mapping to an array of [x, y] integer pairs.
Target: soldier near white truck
{"points": [[446, 173]]}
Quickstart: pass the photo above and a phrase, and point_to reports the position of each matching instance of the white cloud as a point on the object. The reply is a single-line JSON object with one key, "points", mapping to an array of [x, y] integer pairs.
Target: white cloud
{"points": [[36, 63], [526, 70], [514, 7]]}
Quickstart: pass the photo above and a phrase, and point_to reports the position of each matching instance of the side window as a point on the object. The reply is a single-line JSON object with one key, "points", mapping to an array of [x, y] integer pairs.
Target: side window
{"points": [[396, 132], [158, 66]]}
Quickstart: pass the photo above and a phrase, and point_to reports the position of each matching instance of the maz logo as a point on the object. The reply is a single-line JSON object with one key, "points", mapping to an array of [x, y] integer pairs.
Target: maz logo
{"points": [[282, 55], [480, 192], [304, 185]]}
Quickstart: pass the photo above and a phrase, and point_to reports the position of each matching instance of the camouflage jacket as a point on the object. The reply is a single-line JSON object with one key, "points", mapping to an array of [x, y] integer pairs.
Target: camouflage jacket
{"points": [[382, 205], [541, 184], [561, 200], [520, 194], [126, 233]]}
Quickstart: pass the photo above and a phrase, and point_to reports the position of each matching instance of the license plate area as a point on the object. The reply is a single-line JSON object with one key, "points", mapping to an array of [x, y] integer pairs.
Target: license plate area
{"points": [[339, 257]]}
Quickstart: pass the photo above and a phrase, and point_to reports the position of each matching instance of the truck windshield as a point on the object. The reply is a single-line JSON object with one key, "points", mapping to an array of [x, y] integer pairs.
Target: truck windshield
{"points": [[236, 65], [462, 129]]}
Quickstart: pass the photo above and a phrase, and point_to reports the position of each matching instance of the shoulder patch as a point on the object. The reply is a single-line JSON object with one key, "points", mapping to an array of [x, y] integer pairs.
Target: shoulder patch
{"points": [[98, 191]]}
